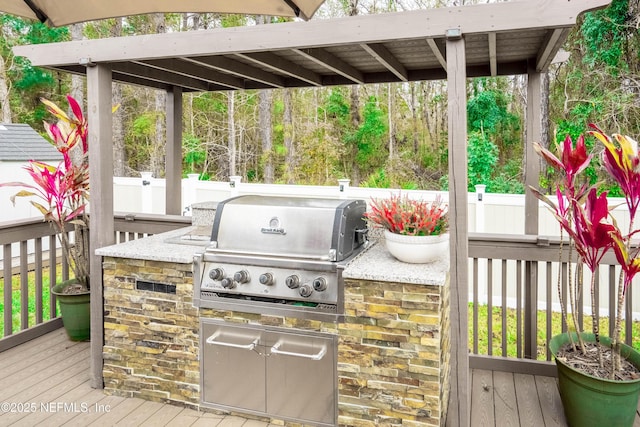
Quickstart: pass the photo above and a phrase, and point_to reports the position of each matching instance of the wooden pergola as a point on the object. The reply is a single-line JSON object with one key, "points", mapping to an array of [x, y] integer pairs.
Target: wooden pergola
{"points": [[507, 38]]}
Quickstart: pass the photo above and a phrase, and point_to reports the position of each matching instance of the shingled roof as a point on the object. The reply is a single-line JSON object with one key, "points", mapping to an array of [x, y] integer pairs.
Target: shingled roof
{"points": [[19, 142]]}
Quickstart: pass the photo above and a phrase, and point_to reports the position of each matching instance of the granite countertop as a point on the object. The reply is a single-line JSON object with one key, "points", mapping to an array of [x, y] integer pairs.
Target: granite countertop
{"points": [[376, 263], [173, 246]]}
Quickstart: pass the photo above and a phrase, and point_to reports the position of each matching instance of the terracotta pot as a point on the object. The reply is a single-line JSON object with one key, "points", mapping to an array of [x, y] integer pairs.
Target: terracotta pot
{"points": [[417, 249]]}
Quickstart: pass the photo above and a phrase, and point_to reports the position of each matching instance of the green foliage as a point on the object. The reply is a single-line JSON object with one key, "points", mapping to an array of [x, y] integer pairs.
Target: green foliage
{"points": [[484, 114], [193, 153], [369, 136], [606, 35], [482, 159], [337, 107], [378, 179]]}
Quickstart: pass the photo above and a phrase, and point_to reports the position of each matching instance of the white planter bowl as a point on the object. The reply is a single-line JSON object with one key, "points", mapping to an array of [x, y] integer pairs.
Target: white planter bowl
{"points": [[417, 249]]}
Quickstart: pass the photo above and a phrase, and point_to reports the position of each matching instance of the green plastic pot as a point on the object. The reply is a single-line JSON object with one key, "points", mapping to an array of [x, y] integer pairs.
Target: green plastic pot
{"points": [[590, 401], [74, 309]]}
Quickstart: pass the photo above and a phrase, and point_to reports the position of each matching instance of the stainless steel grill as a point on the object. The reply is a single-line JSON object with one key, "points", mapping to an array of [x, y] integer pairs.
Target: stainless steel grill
{"points": [[281, 256], [269, 254]]}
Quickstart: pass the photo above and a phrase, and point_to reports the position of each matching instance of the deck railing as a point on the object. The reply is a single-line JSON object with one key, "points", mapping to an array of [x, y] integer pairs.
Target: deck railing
{"points": [[31, 256], [515, 278], [519, 272]]}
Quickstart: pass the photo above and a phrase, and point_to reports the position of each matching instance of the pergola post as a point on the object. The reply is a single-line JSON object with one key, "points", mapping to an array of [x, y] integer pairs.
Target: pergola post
{"points": [[531, 177], [101, 227], [173, 168], [459, 405]]}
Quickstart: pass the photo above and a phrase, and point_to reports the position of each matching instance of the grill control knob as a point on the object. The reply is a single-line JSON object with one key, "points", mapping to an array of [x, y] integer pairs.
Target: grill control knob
{"points": [[266, 279], [228, 283], [241, 276], [216, 274], [292, 281], [320, 284], [306, 291]]}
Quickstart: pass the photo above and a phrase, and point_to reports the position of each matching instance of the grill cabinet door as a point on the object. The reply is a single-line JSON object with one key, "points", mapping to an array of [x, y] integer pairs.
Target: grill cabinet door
{"points": [[301, 373], [233, 367]]}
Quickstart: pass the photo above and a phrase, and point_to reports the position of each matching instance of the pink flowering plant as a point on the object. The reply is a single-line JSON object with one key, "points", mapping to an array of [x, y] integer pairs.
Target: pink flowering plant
{"points": [[585, 217], [61, 192], [402, 215]]}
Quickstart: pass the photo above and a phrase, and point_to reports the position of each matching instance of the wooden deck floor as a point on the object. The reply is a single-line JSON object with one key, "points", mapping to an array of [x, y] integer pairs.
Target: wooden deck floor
{"points": [[45, 382]]}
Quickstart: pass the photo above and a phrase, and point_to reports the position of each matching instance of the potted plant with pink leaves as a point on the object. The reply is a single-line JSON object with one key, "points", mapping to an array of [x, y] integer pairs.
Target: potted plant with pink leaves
{"points": [[61, 193], [599, 376]]}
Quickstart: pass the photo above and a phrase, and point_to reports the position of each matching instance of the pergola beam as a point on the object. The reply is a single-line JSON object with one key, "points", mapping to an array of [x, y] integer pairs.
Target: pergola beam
{"points": [[333, 63], [555, 39], [387, 59], [193, 71], [136, 69], [281, 65], [221, 63], [437, 53]]}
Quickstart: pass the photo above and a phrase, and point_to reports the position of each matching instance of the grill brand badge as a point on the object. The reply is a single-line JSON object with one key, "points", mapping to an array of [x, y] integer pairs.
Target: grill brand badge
{"points": [[274, 227]]}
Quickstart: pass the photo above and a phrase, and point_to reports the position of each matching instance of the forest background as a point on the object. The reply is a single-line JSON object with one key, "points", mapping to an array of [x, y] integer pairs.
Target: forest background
{"points": [[378, 135]]}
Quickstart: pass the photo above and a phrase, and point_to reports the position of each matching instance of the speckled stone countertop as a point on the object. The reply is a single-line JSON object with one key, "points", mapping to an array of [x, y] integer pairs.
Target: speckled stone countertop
{"points": [[376, 263], [173, 246]]}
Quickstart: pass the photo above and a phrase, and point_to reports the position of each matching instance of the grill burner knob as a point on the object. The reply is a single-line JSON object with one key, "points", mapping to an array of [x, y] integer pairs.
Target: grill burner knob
{"points": [[228, 283], [306, 291], [320, 284], [292, 281], [241, 276], [216, 274], [266, 279]]}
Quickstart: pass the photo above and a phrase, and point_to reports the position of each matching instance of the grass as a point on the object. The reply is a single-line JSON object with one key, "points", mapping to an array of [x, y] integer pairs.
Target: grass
{"points": [[16, 310], [512, 332]]}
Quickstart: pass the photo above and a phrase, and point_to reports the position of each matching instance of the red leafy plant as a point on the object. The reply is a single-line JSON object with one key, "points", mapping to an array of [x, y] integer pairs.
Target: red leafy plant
{"points": [[585, 217], [61, 192], [401, 215]]}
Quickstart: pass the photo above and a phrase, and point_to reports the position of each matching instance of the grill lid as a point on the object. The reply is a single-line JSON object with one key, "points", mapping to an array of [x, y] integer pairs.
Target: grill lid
{"points": [[325, 229]]}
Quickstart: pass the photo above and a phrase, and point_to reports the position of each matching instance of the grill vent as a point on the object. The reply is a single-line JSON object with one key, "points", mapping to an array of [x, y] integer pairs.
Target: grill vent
{"points": [[143, 285]]}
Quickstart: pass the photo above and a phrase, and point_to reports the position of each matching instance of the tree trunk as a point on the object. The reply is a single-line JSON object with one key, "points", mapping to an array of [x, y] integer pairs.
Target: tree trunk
{"points": [[77, 82], [545, 139], [5, 105], [414, 116], [390, 119], [265, 103], [231, 112], [119, 151], [289, 145], [158, 151], [354, 96]]}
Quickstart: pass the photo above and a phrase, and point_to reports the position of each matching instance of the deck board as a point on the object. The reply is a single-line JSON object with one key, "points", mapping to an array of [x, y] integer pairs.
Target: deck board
{"points": [[482, 391], [529, 409], [550, 402], [52, 369], [506, 405]]}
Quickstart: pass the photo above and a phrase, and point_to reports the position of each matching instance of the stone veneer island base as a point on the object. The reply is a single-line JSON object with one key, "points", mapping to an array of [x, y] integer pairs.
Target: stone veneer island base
{"points": [[393, 349]]}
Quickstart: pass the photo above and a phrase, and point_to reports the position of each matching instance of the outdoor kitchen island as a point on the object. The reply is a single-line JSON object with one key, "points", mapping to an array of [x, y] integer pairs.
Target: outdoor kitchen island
{"points": [[389, 365]]}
